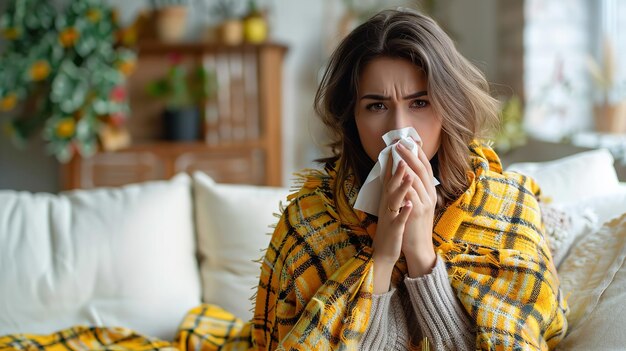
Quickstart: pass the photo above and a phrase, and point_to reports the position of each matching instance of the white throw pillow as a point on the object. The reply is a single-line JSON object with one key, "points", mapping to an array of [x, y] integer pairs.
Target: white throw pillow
{"points": [[102, 257], [573, 178], [605, 206], [581, 218], [234, 227], [563, 225], [595, 275]]}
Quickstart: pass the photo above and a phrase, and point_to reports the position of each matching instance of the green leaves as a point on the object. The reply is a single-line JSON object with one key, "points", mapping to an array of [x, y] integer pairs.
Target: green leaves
{"points": [[511, 133], [62, 66], [69, 87], [180, 88], [28, 17]]}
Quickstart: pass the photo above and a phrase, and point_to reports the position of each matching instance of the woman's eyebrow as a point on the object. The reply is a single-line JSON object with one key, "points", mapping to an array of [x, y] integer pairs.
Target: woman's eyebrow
{"points": [[381, 97]]}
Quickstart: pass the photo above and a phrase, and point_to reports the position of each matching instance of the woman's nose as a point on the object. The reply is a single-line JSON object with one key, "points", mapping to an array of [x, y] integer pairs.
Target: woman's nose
{"points": [[399, 119]]}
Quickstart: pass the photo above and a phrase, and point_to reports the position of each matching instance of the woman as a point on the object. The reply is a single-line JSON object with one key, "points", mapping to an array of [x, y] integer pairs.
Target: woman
{"points": [[462, 264]]}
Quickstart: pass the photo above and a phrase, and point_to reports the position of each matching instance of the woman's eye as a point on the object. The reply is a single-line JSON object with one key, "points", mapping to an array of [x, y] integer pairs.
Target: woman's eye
{"points": [[377, 106], [419, 103]]}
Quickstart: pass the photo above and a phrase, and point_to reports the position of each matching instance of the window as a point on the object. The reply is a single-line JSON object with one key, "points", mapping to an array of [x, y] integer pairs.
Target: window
{"points": [[559, 38]]}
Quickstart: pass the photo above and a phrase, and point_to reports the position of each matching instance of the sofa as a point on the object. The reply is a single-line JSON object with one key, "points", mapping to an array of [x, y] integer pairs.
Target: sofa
{"points": [[142, 255]]}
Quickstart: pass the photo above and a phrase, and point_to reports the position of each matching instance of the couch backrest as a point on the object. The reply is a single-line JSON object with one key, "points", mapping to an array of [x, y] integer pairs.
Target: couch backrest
{"points": [[573, 178], [234, 227], [103, 257]]}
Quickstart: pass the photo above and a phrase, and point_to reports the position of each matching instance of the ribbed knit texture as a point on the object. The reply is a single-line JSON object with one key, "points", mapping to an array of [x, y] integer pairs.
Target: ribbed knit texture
{"points": [[434, 312]]}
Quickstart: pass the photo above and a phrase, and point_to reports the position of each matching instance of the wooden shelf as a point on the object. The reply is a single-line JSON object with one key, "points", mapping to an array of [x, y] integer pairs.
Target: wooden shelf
{"points": [[175, 146], [241, 126], [157, 47]]}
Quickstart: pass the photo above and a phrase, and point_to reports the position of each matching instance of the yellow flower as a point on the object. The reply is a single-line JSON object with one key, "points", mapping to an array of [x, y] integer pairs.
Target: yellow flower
{"points": [[8, 102], [11, 33], [126, 67], [65, 128], [127, 36], [94, 15], [68, 37], [39, 70]]}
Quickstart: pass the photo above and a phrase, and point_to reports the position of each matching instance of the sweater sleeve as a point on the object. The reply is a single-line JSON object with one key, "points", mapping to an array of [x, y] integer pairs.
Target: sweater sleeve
{"points": [[386, 328], [442, 317]]}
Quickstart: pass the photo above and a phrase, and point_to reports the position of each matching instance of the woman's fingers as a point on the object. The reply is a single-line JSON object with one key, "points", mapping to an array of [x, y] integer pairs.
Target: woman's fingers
{"points": [[412, 183], [396, 198], [406, 211], [419, 165], [396, 179], [431, 186], [423, 195], [391, 185], [422, 156]]}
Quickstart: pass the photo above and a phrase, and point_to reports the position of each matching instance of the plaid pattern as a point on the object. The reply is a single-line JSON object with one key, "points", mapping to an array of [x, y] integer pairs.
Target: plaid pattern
{"points": [[84, 338], [316, 279], [491, 239], [498, 259]]}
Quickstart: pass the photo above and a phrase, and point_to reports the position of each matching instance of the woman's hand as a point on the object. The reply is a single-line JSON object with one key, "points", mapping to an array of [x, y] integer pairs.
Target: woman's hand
{"points": [[387, 243], [417, 242]]}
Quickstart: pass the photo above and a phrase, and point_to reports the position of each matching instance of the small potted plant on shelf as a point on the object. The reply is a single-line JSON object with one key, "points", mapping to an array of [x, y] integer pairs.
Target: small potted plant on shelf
{"points": [[171, 19], [183, 91], [230, 30], [254, 24]]}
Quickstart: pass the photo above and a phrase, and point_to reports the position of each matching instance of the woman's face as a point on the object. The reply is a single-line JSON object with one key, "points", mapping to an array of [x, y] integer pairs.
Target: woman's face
{"points": [[392, 95]]}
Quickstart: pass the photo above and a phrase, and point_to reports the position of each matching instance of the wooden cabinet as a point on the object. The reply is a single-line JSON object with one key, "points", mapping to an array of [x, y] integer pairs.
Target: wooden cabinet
{"points": [[241, 132]]}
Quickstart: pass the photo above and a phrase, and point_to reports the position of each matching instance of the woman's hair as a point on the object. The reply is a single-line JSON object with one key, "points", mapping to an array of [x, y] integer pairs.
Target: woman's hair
{"points": [[458, 92]]}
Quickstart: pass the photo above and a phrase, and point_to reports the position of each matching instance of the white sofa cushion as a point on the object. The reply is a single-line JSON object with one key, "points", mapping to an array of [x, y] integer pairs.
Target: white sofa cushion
{"points": [[573, 178], [102, 257], [234, 227], [595, 275], [584, 186]]}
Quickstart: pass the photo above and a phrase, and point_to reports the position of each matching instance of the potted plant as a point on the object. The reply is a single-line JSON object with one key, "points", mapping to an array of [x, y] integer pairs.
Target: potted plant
{"points": [[254, 24], [183, 92], [610, 110], [171, 19], [63, 72], [230, 30]]}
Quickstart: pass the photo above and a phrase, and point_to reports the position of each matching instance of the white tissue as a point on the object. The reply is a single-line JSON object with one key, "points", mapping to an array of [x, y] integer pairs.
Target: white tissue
{"points": [[369, 195]]}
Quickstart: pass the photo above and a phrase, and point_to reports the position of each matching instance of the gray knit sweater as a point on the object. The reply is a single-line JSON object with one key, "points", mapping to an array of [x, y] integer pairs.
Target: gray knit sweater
{"points": [[424, 306]]}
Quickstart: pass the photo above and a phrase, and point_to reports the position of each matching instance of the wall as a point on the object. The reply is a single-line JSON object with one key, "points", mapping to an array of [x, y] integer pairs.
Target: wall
{"points": [[308, 28], [509, 58], [473, 26]]}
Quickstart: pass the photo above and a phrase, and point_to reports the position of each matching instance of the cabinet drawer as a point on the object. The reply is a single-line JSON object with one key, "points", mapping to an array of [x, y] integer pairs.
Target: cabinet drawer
{"points": [[120, 168], [236, 166]]}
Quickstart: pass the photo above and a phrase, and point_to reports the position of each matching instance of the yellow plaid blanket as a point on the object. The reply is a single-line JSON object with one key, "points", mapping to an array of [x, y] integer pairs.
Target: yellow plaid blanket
{"points": [[316, 280]]}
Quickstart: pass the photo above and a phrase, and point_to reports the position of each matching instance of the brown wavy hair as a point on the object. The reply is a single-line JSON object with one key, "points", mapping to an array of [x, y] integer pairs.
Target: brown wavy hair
{"points": [[458, 91]]}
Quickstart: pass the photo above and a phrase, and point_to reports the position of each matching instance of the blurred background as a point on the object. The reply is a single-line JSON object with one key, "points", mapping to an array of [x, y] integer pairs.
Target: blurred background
{"points": [[104, 93]]}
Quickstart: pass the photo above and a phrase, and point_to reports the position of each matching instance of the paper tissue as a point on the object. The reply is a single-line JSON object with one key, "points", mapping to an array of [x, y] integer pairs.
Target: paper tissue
{"points": [[369, 196]]}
